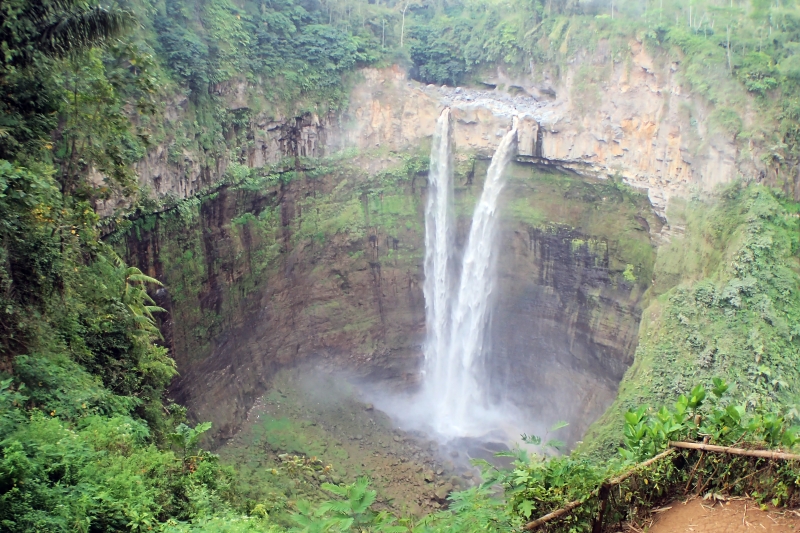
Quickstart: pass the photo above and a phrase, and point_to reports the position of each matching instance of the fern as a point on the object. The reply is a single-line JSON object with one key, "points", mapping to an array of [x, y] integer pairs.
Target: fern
{"points": [[350, 513]]}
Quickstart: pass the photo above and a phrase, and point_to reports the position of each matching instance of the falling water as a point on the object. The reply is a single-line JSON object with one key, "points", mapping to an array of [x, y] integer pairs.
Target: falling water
{"points": [[438, 248], [453, 377]]}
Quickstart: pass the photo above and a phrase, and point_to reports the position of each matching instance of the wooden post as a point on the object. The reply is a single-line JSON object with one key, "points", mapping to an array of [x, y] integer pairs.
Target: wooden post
{"points": [[604, 490], [766, 454], [597, 526]]}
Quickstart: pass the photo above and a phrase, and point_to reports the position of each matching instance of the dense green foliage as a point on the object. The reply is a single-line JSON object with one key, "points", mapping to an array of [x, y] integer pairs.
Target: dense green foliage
{"points": [[69, 112], [285, 46], [84, 430], [81, 411], [727, 304], [539, 485], [55, 28]]}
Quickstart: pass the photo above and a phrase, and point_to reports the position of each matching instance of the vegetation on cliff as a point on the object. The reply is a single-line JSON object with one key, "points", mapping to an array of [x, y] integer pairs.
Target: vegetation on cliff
{"points": [[726, 302], [84, 427], [88, 441]]}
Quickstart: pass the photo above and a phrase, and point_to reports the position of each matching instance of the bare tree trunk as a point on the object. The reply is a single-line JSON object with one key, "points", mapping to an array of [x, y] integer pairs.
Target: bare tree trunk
{"points": [[730, 66], [403, 25], [766, 454]]}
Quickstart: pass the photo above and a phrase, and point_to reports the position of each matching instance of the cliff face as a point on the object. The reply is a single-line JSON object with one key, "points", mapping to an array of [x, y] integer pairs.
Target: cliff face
{"points": [[565, 326], [261, 279], [328, 264], [634, 121], [565, 330], [270, 140], [597, 118]]}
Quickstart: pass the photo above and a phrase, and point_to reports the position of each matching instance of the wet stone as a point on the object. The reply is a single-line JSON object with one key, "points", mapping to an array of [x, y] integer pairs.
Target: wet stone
{"points": [[442, 492]]}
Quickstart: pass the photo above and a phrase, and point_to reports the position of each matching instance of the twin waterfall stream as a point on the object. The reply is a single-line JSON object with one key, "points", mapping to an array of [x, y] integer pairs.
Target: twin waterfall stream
{"points": [[457, 308]]}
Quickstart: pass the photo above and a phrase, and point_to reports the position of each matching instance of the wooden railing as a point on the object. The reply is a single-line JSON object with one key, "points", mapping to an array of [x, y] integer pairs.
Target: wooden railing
{"points": [[604, 489]]}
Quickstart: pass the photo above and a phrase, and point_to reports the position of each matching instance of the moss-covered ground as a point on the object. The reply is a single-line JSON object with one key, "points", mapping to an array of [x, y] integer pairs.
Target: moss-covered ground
{"points": [[314, 427]]}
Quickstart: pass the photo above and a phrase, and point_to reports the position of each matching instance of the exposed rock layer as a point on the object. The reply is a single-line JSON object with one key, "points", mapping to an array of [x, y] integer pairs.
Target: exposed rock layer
{"points": [[565, 320], [599, 118], [565, 323]]}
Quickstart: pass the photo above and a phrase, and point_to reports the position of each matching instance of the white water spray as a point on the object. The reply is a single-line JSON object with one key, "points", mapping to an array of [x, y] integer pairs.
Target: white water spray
{"points": [[438, 247], [453, 380]]}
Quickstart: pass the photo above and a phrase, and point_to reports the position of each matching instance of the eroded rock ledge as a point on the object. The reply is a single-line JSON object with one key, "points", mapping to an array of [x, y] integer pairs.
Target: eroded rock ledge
{"points": [[637, 122], [637, 127]]}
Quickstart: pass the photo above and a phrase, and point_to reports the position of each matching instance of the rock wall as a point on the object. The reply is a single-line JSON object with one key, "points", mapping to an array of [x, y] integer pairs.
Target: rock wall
{"points": [[570, 294], [310, 269], [635, 121], [597, 118], [271, 139], [262, 279], [565, 330]]}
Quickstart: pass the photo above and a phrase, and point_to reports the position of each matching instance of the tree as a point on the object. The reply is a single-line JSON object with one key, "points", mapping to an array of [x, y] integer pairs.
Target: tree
{"points": [[55, 28], [31, 31], [403, 25], [408, 3]]}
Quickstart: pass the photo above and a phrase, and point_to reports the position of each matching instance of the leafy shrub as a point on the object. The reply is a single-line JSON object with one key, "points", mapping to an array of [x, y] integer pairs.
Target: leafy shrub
{"points": [[540, 484], [758, 72]]}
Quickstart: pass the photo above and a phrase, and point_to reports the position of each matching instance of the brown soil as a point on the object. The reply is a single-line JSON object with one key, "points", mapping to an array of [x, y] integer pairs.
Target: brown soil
{"points": [[705, 516]]}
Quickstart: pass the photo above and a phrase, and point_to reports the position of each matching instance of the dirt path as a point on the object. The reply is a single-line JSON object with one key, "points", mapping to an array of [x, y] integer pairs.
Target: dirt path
{"points": [[699, 516]]}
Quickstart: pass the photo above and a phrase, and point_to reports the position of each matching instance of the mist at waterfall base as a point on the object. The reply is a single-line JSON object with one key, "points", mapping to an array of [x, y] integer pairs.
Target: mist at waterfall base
{"points": [[455, 404]]}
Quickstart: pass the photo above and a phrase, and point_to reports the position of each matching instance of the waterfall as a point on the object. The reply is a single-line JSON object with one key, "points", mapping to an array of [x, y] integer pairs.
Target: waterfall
{"points": [[453, 379], [438, 248]]}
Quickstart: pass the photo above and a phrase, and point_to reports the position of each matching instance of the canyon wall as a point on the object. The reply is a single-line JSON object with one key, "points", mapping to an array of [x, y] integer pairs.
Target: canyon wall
{"points": [[263, 278], [598, 117], [571, 289], [328, 264]]}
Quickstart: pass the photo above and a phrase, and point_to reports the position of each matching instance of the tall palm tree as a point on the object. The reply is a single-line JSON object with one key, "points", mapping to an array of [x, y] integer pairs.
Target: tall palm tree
{"points": [[55, 28]]}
